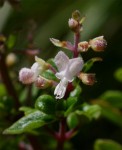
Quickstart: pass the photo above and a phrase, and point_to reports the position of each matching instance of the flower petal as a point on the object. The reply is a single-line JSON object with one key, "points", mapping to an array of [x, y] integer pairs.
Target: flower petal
{"points": [[61, 88], [61, 61], [36, 68], [74, 67]]}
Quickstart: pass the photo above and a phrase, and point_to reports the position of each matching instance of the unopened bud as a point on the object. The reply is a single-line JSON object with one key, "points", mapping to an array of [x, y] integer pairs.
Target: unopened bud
{"points": [[76, 15], [98, 43], [42, 63], [63, 44], [26, 76], [72, 23], [83, 46], [42, 82], [87, 78], [11, 59]]}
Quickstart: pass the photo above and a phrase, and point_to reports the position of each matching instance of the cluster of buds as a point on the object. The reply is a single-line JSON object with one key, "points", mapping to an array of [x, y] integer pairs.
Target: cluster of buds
{"points": [[75, 23], [98, 44], [67, 69], [33, 74]]}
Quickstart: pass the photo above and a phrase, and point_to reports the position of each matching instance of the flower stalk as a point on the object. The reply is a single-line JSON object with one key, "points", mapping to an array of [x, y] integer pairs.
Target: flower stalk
{"points": [[76, 41]]}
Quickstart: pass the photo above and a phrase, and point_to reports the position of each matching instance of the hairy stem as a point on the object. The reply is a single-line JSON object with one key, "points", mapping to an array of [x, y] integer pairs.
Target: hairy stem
{"points": [[71, 133], [76, 41]]}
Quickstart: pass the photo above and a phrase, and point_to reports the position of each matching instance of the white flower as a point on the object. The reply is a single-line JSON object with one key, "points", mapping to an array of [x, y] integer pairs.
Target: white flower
{"points": [[68, 69], [29, 75]]}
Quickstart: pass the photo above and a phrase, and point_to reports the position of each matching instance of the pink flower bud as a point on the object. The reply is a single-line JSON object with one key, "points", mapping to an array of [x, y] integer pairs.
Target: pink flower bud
{"points": [[98, 43], [83, 46], [26, 76], [73, 24], [87, 78], [42, 82]]}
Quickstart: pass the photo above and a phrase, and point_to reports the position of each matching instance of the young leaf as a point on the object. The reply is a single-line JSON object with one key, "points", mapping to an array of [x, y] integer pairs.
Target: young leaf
{"points": [[31, 121], [26, 110], [60, 107], [111, 113], [93, 111], [49, 75], [107, 145], [76, 92], [2, 90], [70, 104], [113, 97], [73, 120], [46, 104], [90, 111], [118, 74], [11, 41], [89, 64]]}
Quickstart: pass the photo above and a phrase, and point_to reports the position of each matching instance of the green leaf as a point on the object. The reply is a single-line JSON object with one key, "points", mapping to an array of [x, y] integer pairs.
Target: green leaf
{"points": [[2, 90], [71, 101], [107, 145], [70, 104], [26, 110], [90, 111], [73, 120], [31, 121], [93, 111], [48, 74], [11, 41], [51, 61], [87, 66], [113, 115], [113, 97], [46, 104], [60, 107], [76, 92], [118, 74]]}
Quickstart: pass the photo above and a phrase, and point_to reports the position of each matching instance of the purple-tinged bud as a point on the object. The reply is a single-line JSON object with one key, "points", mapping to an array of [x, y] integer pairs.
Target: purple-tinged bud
{"points": [[42, 82], [63, 44], [73, 24], [83, 46], [26, 76], [98, 44], [87, 78]]}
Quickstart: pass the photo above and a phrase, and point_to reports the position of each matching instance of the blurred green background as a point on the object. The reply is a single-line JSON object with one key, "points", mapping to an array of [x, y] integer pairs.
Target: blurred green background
{"points": [[49, 18]]}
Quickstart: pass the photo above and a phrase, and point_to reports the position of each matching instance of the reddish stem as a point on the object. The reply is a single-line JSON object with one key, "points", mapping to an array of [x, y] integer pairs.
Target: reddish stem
{"points": [[76, 41], [70, 133], [52, 69], [61, 134]]}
